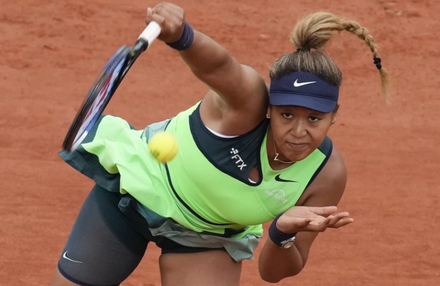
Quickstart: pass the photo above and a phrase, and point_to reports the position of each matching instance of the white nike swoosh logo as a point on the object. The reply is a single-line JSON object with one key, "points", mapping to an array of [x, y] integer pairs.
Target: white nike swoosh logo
{"points": [[298, 84], [70, 259]]}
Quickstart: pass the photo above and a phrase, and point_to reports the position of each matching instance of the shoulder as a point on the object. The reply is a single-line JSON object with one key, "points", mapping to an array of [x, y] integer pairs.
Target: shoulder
{"points": [[252, 92], [241, 110], [329, 185], [335, 169]]}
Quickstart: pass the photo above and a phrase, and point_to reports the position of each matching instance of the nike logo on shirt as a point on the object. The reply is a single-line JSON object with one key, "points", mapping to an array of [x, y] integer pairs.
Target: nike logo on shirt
{"points": [[277, 178], [298, 84]]}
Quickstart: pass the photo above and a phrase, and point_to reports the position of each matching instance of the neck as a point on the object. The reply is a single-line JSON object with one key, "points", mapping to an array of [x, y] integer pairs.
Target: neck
{"points": [[277, 159]]}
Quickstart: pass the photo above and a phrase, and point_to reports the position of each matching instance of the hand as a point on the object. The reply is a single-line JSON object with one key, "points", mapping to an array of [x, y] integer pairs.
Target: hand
{"points": [[302, 218], [171, 19]]}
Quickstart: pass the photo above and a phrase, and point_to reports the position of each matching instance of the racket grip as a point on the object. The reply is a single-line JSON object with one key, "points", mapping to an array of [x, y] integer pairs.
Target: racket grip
{"points": [[150, 33]]}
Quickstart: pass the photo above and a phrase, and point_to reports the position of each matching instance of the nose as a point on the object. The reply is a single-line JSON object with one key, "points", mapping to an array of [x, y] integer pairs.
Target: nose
{"points": [[299, 128]]}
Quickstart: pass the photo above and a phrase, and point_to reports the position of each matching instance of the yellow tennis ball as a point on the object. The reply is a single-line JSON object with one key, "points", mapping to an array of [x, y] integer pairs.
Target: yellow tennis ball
{"points": [[163, 146]]}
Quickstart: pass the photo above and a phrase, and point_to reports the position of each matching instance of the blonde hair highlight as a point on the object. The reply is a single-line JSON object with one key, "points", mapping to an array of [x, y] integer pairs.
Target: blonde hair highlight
{"points": [[310, 35]]}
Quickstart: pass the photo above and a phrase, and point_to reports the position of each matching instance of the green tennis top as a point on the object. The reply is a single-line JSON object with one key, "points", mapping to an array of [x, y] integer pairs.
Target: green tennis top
{"points": [[205, 188]]}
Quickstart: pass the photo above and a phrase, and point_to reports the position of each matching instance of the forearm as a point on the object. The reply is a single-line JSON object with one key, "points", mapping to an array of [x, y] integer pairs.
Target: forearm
{"points": [[209, 61], [276, 263]]}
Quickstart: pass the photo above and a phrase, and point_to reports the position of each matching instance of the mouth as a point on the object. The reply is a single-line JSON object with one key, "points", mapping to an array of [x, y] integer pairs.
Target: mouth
{"points": [[297, 145]]}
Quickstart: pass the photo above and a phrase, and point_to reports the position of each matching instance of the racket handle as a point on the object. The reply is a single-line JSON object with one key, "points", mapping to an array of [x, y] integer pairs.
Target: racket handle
{"points": [[150, 33]]}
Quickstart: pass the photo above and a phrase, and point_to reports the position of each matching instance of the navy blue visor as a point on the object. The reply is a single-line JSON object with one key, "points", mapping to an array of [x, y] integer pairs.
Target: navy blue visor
{"points": [[304, 90]]}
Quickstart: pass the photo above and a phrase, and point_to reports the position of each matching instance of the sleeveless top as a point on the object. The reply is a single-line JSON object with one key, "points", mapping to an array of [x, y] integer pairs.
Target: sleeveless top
{"points": [[206, 187], [209, 176]]}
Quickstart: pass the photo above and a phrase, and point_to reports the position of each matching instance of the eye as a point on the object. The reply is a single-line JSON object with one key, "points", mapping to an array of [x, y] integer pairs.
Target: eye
{"points": [[287, 115], [314, 119]]}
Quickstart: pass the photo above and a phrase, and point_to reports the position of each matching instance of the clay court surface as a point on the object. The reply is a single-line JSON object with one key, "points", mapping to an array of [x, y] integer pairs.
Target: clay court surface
{"points": [[51, 51]]}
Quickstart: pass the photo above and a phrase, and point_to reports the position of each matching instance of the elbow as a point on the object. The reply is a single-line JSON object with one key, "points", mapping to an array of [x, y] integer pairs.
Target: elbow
{"points": [[275, 264], [275, 276], [269, 279], [275, 279]]}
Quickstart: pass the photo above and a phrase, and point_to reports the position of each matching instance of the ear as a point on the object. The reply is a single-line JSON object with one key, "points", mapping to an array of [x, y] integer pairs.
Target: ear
{"points": [[334, 114], [268, 112]]}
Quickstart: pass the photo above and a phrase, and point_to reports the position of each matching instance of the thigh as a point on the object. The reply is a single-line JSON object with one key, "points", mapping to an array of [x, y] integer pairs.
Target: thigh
{"points": [[214, 268], [103, 247]]}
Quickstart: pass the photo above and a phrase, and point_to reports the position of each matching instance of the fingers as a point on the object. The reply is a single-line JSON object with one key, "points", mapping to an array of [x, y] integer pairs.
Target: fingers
{"points": [[339, 220], [323, 211], [342, 222], [319, 224], [171, 19], [170, 12], [315, 219], [163, 22], [332, 221], [171, 9]]}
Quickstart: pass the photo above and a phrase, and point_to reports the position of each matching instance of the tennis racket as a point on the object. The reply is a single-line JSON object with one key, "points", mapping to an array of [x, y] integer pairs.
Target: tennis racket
{"points": [[105, 86]]}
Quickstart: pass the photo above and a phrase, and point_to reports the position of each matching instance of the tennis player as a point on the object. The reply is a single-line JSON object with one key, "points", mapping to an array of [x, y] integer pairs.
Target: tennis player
{"points": [[248, 154]]}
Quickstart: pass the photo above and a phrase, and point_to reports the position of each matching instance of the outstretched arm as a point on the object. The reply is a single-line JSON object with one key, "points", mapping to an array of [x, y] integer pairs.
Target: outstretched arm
{"points": [[307, 221], [237, 87]]}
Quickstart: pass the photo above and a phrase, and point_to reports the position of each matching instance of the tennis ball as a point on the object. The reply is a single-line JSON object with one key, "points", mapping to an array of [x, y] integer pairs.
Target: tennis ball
{"points": [[163, 146]]}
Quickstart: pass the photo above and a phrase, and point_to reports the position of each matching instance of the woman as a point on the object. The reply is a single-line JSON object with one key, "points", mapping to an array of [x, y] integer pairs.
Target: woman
{"points": [[247, 154]]}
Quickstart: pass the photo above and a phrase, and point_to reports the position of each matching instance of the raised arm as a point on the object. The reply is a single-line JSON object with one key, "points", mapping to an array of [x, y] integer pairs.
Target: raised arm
{"points": [[236, 87]]}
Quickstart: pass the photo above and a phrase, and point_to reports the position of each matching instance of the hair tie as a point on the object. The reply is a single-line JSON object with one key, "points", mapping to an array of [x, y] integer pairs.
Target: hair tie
{"points": [[302, 49], [377, 62]]}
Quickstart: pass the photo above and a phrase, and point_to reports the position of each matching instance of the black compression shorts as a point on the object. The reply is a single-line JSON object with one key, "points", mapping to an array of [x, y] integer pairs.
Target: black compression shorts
{"points": [[108, 241]]}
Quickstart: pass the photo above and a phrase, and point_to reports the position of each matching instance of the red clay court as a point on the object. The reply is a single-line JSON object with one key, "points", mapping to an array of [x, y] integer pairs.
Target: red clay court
{"points": [[51, 51]]}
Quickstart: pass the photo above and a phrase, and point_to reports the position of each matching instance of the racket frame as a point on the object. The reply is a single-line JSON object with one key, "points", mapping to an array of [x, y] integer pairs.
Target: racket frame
{"points": [[112, 73]]}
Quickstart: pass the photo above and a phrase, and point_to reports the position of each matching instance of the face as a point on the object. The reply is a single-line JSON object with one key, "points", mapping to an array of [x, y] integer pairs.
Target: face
{"points": [[298, 131]]}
